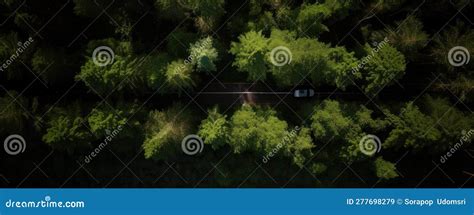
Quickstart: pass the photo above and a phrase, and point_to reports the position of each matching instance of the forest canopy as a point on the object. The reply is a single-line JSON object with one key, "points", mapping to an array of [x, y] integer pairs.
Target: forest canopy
{"points": [[395, 72]]}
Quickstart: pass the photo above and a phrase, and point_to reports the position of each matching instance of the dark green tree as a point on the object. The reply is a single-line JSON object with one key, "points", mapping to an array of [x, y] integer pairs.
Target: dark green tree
{"points": [[462, 87], [152, 71], [450, 121], [383, 67], [454, 35], [383, 6], [407, 36], [178, 42], [53, 65], [164, 132], [12, 51], [205, 13], [12, 113]]}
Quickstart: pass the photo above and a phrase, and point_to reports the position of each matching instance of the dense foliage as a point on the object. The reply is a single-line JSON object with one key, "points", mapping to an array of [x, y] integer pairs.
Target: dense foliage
{"points": [[383, 65]]}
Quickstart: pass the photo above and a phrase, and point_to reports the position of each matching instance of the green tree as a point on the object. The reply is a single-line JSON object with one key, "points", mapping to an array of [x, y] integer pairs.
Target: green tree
{"points": [[250, 54], [383, 67], [339, 71], [249, 128], [280, 46], [328, 121], [66, 130], [305, 54], [119, 124], [310, 19], [260, 131], [214, 129], [318, 168], [300, 149], [106, 79], [117, 69], [412, 129], [204, 55], [431, 128], [385, 169], [104, 118], [178, 76], [311, 58], [344, 125]]}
